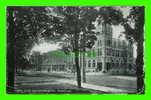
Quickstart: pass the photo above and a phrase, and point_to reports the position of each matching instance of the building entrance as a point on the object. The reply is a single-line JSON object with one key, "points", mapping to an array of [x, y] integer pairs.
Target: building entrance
{"points": [[99, 66]]}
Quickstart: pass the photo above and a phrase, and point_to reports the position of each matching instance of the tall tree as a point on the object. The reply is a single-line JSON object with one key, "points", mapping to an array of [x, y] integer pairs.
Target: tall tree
{"points": [[25, 24], [72, 21], [134, 30], [10, 53]]}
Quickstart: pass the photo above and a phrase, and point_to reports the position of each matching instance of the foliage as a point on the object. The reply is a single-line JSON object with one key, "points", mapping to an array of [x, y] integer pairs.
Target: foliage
{"points": [[29, 23], [73, 25], [76, 25], [134, 32]]}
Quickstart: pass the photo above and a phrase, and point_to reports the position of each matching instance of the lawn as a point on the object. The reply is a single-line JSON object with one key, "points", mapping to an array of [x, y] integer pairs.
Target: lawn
{"points": [[110, 81], [48, 82]]}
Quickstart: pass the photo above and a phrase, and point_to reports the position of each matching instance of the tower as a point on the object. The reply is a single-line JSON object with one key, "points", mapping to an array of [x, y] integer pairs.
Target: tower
{"points": [[104, 45]]}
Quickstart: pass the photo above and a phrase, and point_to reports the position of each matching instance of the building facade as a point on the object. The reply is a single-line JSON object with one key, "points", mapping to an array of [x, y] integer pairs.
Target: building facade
{"points": [[110, 53]]}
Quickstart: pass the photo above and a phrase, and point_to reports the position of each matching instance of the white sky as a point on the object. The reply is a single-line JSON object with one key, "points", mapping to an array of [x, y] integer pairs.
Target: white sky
{"points": [[46, 47]]}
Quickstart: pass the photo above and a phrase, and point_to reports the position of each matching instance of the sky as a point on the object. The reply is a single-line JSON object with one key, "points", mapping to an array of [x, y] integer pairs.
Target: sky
{"points": [[46, 47]]}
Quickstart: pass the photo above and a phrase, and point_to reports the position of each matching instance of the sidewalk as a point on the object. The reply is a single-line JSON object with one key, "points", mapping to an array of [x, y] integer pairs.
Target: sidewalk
{"points": [[125, 77], [96, 87]]}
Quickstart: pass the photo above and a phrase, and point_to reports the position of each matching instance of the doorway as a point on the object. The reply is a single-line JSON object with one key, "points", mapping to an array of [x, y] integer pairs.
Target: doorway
{"points": [[99, 66]]}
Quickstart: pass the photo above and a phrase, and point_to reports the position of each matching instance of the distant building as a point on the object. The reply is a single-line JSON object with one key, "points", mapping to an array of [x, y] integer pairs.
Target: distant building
{"points": [[51, 61], [107, 53]]}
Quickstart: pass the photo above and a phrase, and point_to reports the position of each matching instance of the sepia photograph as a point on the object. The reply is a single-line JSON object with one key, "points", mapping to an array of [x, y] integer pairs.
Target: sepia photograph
{"points": [[75, 49]]}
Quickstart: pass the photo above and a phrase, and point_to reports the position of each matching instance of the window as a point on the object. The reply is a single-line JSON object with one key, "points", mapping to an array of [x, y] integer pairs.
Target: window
{"points": [[98, 52], [94, 54], [108, 51], [117, 53], [112, 52], [89, 63], [109, 43], [89, 53], [114, 45], [93, 63], [100, 44], [108, 66]]}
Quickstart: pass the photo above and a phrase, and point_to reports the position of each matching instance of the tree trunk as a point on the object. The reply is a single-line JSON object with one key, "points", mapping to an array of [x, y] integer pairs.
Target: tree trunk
{"points": [[84, 61], [139, 66], [77, 60], [84, 68], [10, 51]]}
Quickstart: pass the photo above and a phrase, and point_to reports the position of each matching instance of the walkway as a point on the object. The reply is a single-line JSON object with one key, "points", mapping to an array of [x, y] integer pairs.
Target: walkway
{"points": [[95, 87]]}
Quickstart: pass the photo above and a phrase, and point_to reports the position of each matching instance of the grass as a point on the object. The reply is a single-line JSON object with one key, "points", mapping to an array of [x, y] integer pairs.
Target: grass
{"points": [[109, 81]]}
